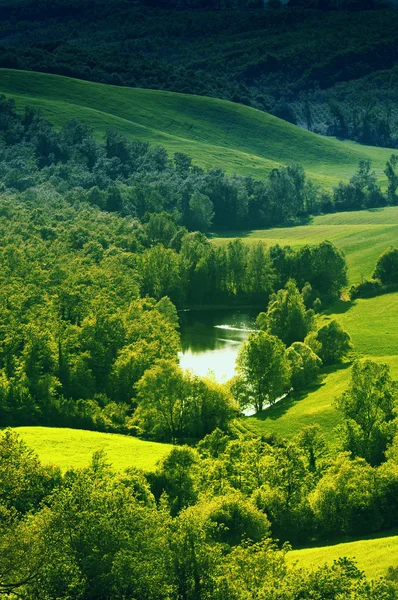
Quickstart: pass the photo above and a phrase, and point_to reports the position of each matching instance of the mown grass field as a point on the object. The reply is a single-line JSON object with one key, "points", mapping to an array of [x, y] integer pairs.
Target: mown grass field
{"points": [[373, 555], [362, 235], [75, 447], [214, 132]]}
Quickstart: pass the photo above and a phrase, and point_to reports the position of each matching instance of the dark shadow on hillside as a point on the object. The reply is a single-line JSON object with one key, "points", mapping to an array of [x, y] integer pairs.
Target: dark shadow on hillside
{"points": [[300, 221], [297, 222], [339, 307], [328, 542], [231, 234], [279, 409]]}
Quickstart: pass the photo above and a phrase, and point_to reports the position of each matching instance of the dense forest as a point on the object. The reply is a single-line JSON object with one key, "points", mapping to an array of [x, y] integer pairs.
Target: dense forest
{"points": [[329, 66]]}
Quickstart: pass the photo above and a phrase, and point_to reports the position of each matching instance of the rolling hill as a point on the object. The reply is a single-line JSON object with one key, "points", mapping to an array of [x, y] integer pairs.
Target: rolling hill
{"points": [[213, 132], [75, 447]]}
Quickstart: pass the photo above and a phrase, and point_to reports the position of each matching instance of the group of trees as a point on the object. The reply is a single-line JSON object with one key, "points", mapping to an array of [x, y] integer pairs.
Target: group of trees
{"points": [[201, 273], [267, 369], [84, 310], [134, 179]]}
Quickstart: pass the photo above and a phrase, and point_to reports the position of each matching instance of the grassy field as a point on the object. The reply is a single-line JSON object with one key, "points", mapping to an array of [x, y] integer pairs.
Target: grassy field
{"points": [[373, 555], [362, 235], [74, 447], [214, 132]]}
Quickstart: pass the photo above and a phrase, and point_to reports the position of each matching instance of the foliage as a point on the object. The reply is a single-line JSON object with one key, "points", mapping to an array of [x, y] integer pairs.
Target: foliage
{"points": [[331, 343], [368, 408], [387, 267], [176, 404], [304, 365], [287, 317], [263, 371]]}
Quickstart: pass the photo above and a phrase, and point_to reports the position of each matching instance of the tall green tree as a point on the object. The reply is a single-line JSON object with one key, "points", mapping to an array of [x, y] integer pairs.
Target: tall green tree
{"points": [[263, 370], [287, 317]]}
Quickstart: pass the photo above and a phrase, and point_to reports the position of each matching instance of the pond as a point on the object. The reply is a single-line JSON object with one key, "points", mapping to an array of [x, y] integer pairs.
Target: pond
{"points": [[211, 340]]}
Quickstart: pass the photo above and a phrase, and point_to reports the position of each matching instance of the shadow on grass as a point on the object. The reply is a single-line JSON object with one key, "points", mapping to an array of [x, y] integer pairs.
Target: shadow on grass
{"points": [[329, 542], [278, 410], [300, 221], [230, 234], [339, 307]]}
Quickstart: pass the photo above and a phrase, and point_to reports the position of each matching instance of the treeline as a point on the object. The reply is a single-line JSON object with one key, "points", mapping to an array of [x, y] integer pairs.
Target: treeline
{"points": [[135, 179]]}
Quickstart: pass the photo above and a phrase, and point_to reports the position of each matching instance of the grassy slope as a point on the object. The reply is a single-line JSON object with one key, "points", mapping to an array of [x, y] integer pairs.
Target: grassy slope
{"points": [[373, 555], [75, 447], [214, 132], [362, 235]]}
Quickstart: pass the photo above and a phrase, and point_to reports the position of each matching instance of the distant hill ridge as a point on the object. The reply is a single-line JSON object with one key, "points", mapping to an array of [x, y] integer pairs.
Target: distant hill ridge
{"points": [[215, 133]]}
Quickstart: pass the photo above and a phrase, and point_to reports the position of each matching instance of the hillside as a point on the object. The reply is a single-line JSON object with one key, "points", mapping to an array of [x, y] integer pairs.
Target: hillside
{"points": [[75, 447], [362, 235], [373, 555], [213, 132]]}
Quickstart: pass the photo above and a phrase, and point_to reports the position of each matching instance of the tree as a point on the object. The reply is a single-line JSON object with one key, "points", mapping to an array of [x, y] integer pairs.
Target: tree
{"points": [[287, 317], [201, 212], [234, 519], [387, 267], [304, 365], [259, 273], [312, 442], [368, 408], [237, 253], [309, 266], [331, 343], [162, 394], [345, 500], [391, 172], [174, 403], [263, 370]]}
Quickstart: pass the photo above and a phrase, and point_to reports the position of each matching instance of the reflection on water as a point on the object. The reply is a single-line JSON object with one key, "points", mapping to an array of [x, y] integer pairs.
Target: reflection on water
{"points": [[211, 340]]}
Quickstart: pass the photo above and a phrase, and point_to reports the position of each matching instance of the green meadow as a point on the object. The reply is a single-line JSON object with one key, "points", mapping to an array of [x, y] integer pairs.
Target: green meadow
{"points": [[372, 555], [74, 448], [215, 133]]}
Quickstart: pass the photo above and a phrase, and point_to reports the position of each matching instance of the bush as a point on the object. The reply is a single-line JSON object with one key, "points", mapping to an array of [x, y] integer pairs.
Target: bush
{"points": [[304, 364], [387, 267], [367, 289], [331, 343]]}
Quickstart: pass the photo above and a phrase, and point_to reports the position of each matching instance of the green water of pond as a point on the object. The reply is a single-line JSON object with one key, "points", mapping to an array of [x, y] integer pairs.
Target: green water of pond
{"points": [[211, 340]]}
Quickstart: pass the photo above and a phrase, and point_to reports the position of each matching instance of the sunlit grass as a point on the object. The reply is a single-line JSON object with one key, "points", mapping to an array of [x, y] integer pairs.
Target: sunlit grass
{"points": [[373, 555], [75, 447]]}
